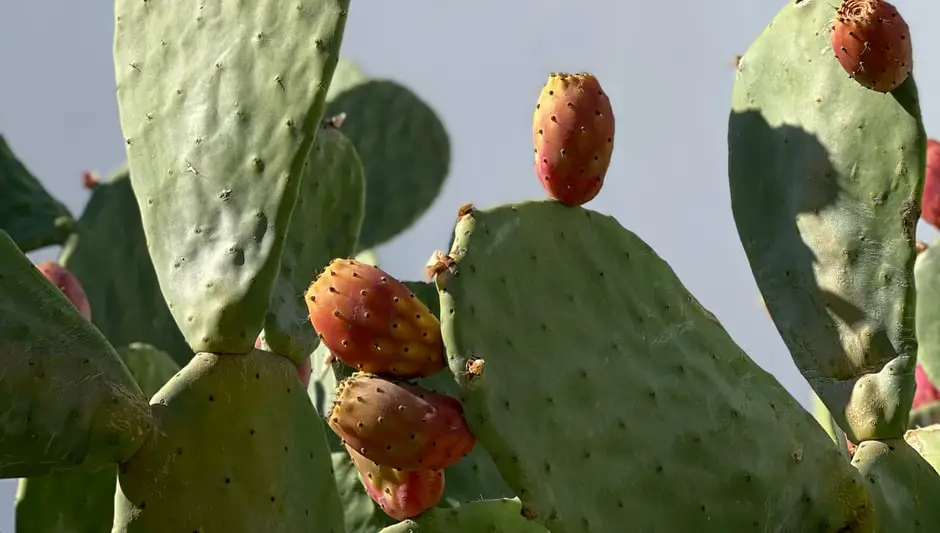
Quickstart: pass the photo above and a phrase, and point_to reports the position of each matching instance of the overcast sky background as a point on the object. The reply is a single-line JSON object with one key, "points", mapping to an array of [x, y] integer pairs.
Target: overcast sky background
{"points": [[667, 69]]}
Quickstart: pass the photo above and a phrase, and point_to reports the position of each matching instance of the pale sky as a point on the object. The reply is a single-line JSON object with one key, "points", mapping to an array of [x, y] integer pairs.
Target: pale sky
{"points": [[666, 67]]}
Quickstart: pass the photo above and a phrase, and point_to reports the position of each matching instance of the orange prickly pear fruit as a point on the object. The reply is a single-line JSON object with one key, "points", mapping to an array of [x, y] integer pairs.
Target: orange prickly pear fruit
{"points": [[373, 322], [402, 494], [62, 278], [872, 43], [399, 424], [573, 132]]}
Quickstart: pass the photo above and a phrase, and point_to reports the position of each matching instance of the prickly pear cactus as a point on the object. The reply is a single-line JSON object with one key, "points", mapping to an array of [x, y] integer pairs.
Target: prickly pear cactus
{"points": [[81, 501], [108, 253], [325, 224], [826, 210], [904, 485], [656, 355], [239, 432], [404, 147], [28, 213], [926, 442], [67, 399], [218, 121]]}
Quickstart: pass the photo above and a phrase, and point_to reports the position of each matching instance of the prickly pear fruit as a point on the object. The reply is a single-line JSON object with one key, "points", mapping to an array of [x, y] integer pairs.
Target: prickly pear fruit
{"points": [[399, 424], [62, 278], [402, 494], [930, 203], [872, 43], [573, 132], [925, 391], [373, 322]]}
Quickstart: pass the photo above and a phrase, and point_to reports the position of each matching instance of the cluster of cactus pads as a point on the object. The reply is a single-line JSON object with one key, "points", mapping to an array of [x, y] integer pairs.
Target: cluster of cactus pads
{"points": [[217, 350]]}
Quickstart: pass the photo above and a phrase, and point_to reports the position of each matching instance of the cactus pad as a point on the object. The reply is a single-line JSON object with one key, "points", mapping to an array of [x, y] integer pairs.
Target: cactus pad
{"points": [[926, 442], [486, 515], [233, 432], [325, 224], [68, 400], [825, 180], [28, 213], [904, 487], [218, 121], [619, 358], [108, 253], [79, 501], [405, 151]]}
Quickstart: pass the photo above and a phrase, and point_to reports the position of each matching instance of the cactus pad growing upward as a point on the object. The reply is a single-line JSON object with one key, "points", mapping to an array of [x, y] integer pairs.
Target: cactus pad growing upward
{"points": [[218, 122], [624, 355], [235, 432], [826, 210]]}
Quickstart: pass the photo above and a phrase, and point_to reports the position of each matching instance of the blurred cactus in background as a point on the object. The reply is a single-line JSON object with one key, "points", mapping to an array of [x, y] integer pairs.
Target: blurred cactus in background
{"points": [[218, 350]]}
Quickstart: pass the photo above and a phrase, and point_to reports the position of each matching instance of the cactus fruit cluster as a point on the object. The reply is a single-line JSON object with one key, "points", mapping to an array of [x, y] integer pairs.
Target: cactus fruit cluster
{"points": [[217, 349]]}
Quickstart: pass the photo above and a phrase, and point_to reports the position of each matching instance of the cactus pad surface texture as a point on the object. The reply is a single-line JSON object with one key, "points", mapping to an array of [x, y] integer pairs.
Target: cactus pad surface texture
{"points": [[82, 500], [68, 400], [218, 120], [236, 433], [825, 180], [639, 388]]}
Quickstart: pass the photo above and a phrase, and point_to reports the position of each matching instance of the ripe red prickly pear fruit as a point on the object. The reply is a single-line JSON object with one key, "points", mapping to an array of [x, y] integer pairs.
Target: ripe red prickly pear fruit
{"points": [[573, 132], [399, 424], [402, 494], [373, 322], [62, 278], [925, 391], [930, 202], [872, 43]]}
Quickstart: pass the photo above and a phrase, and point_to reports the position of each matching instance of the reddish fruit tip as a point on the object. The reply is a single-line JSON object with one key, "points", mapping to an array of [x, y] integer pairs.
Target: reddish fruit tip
{"points": [[66, 282], [872, 42]]}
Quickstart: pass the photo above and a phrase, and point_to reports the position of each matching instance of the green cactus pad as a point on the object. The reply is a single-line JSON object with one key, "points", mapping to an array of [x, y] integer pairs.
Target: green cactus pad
{"points": [[108, 254], [79, 501], [220, 106], [636, 388], [486, 515], [28, 213], [904, 487], [825, 180], [325, 224], [237, 448], [926, 442], [405, 151], [927, 278], [68, 400]]}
